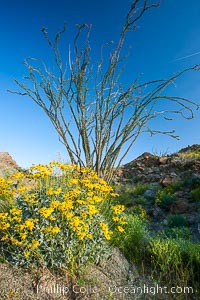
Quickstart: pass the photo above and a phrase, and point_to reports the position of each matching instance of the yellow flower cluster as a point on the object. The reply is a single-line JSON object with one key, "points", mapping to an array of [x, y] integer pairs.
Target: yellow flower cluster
{"points": [[80, 227], [105, 230], [51, 191], [46, 211], [60, 201], [118, 209], [41, 171], [29, 224], [6, 190], [141, 212], [50, 229]]}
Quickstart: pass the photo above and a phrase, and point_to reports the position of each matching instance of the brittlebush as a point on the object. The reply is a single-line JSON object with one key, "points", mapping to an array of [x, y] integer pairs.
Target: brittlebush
{"points": [[61, 216]]}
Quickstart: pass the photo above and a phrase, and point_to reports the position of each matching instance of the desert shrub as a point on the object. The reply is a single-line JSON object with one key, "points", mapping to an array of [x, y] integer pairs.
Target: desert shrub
{"points": [[126, 196], [177, 185], [191, 250], [175, 261], [165, 197], [131, 195], [141, 212], [64, 217], [139, 189], [140, 200], [178, 233], [196, 193], [191, 259], [176, 221], [192, 154], [137, 179], [6, 190], [165, 254], [133, 243], [191, 182]]}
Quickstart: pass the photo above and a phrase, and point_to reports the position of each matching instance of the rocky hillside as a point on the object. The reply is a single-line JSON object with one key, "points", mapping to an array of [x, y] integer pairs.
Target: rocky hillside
{"points": [[150, 168], [7, 164], [167, 187]]}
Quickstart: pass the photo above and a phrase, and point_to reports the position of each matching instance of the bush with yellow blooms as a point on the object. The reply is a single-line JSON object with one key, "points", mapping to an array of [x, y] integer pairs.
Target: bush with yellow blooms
{"points": [[61, 215]]}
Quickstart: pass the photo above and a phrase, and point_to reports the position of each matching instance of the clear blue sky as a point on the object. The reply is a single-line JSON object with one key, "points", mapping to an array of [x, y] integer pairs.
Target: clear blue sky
{"points": [[164, 43]]}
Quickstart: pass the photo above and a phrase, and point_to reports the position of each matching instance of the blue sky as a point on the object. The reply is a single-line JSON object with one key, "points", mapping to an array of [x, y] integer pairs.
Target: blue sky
{"points": [[167, 40]]}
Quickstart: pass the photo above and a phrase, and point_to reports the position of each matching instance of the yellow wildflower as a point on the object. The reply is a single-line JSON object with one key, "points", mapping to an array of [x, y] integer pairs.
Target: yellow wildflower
{"points": [[15, 211], [81, 235], [18, 175], [35, 243], [66, 205], [105, 230], [80, 201], [58, 191], [115, 219], [4, 238], [3, 215], [83, 214], [14, 241], [97, 199], [20, 227], [26, 253], [118, 209], [54, 203], [122, 220], [68, 215], [55, 229], [49, 192], [120, 229], [23, 235], [4, 225], [92, 210], [114, 195], [16, 219], [46, 211], [89, 236], [73, 181], [29, 224]]}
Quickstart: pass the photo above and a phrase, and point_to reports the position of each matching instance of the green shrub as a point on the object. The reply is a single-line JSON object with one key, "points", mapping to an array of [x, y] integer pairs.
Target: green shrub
{"points": [[191, 258], [191, 182], [192, 154], [196, 193], [137, 179], [164, 197], [178, 233], [175, 261], [139, 189], [131, 195], [165, 254], [141, 212], [177, 221], [177, 185], [133, 243], [64, 218], [140, 200]]}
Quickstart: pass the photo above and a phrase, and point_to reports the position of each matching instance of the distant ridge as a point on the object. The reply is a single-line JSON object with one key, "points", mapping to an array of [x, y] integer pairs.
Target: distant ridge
{"points": [[193, 148]]}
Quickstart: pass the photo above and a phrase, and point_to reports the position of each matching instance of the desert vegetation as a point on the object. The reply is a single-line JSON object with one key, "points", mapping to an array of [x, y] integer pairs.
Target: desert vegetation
{"points": [[166, 250], [65, 218]]}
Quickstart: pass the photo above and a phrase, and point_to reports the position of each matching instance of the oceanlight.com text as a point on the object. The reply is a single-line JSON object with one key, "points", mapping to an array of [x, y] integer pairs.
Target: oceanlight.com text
{"points": [[114, 290]]}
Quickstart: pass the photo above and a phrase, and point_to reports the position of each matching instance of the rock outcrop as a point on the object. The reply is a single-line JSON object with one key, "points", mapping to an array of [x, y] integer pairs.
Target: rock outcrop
{"points": [[7, 164], [149, 168]]}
